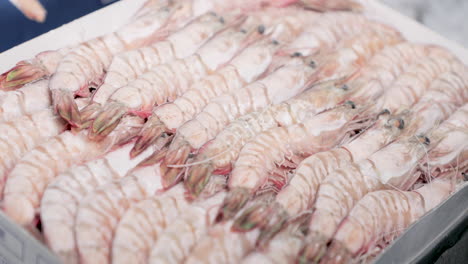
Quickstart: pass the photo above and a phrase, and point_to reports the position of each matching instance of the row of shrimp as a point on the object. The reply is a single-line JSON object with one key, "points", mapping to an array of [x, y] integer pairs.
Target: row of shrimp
{"points": [[232, 132]]}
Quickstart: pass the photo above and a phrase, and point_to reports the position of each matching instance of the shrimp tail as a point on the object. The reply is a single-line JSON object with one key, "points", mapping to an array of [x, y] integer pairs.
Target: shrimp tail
{"points": [[23, 73], [170, 176], [151, 131], [253, 217], [277, 220], [236, 199], [154, 158], [88, 114], [178, 153], [335, 5], [66, 107], [107, 121], [198, 177], [314, 249], [337, 254]]}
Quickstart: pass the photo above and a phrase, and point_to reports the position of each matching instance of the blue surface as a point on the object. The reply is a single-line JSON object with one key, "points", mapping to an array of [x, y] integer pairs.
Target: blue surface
{"points": [[16, 29]]}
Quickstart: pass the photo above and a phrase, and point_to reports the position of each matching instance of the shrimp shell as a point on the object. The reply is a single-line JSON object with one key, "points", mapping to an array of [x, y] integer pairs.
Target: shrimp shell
{"points": [[142, 224], [222, 246], [409, 87], [176, 242], [451, 153], [299, 194], [61, 198], [127, 66], [327, 32], [100, 212], [382, 215], [27, 100], [28, 180], [22, 135]]}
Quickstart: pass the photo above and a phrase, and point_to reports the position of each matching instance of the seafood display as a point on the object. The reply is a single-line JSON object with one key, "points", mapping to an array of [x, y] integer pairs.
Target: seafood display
{"points": [[241, 131]]}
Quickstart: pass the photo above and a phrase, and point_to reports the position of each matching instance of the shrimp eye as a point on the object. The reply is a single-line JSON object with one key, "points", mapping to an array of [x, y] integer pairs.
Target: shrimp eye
{"points": [[275, 42], [243, 31], [425, 140], [312, 64], [384, 112], [345, 87], [465, 176], [221, 19], [261, 29], [213, 13], [351, 103], [400, 123], [296, 54]]}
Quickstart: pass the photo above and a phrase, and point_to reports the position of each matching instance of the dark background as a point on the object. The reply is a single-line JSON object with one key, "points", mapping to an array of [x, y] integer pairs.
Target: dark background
{"points": [[16, 28]]}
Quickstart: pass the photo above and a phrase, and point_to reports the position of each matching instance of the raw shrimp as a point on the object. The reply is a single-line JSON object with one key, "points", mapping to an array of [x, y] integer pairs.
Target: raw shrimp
{"points": [[243, 69], [30, 177], [208, 123], [382, 215], [432, 110], [217, 155], [27, 71], [147, 28], [389, 167], [60, 201], [31, 98], [175, 243], [327, 32], [224, 109], [141, 225], [260, 156], [99, 213], [32, 9], [221, 245], [165, 82], [409, 87], [129, 65], [450, 156], [300, 192], [22, 135]]}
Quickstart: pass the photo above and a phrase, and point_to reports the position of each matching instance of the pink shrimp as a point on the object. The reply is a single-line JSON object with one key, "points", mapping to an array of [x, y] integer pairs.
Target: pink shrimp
{"points": [[450, 156], [315, 134], [149, 217], [327, 32], [209, 122], [300, 192], [129, 65], [22, 135], [392, 166], [251, 63], [28, 180], [27, 71], [165, 82], [99, 213], [217, 155], [32, 9], [381, 216], [61, 198], [221, 245], [176, 242]]}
